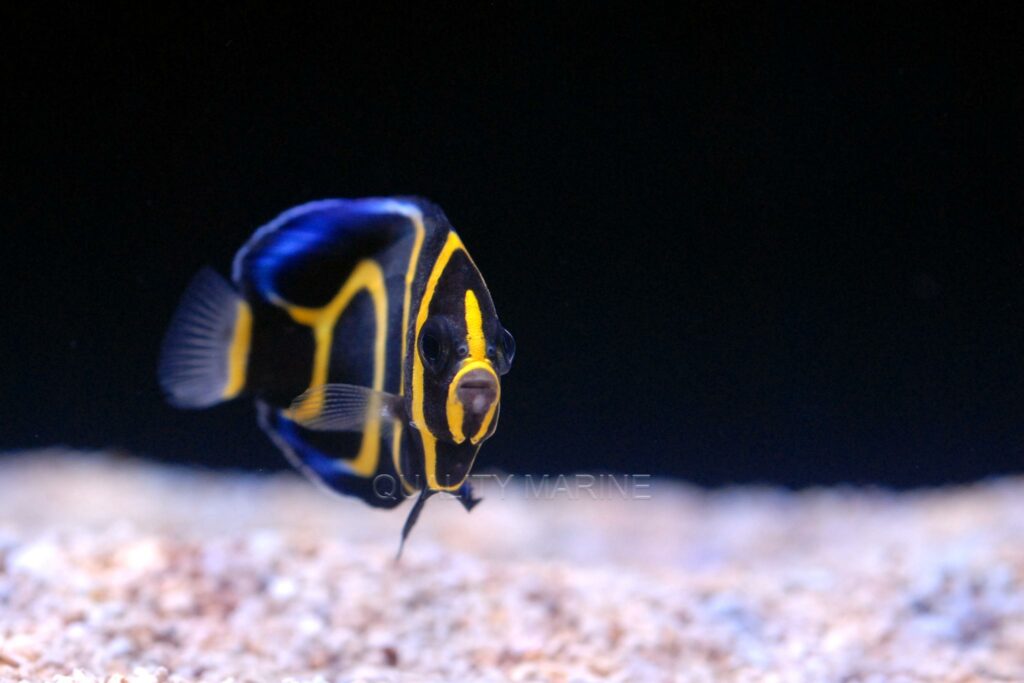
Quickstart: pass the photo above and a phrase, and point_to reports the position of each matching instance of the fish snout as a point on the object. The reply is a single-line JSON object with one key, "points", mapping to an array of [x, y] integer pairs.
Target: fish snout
{"points": [[477, 391]]}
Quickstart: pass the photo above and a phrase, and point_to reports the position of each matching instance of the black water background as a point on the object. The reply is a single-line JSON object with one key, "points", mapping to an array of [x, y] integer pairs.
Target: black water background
{"points": [[770, 248]]}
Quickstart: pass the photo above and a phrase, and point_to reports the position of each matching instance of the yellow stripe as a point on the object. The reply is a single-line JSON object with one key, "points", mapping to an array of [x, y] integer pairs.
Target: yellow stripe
{"points": [[474, 328], [477, 345], [238, 352], [478, 352], [410, 275], [451, 245], [454, 409], [367, 276]]}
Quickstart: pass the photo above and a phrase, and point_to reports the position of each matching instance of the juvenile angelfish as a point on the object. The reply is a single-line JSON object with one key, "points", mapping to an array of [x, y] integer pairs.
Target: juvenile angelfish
{"points": [[368, 340]]}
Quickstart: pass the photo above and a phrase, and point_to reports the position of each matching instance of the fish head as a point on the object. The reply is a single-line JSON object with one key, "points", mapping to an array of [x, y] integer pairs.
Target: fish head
{"points": [[462, 350], [462, 373]]}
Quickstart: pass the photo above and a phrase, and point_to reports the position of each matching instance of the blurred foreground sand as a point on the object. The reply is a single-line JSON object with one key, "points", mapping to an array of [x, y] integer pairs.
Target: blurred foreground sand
{"points": [[112, 566]]}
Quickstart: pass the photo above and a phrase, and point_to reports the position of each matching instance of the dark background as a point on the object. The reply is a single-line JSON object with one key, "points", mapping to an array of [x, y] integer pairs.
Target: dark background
{"points": [[731, 247]]}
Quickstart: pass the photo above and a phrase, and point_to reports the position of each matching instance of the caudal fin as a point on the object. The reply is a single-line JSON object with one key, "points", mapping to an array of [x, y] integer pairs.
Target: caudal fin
{"points": [[204, 355]]}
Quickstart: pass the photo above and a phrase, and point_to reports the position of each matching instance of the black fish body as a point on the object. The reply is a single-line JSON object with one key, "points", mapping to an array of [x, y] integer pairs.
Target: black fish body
{"points": [[367, 337]]}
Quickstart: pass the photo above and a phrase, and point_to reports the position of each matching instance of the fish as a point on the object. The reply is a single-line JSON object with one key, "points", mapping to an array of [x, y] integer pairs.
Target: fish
{"points": [[367, 338]]}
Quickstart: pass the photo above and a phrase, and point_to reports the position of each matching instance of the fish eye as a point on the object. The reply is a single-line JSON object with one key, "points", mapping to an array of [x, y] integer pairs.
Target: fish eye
{"points": [[434, 345], [507, 345]]}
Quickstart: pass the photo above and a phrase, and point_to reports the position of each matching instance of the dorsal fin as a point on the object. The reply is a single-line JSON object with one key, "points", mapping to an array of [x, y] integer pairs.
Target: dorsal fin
{"points": [[303, 254]]}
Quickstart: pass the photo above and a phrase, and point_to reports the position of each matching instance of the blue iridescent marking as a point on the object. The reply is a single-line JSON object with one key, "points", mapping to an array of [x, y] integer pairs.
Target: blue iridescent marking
{"points": [[327, 468], [304, 229]]}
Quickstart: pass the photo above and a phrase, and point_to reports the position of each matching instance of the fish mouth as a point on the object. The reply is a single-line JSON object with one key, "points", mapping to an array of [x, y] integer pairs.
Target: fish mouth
{"points": [[476, 384], [476, 391]]}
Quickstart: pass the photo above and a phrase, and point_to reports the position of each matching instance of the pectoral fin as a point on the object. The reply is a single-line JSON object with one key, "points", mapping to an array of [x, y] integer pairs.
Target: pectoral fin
{"points": [[344, 407]]}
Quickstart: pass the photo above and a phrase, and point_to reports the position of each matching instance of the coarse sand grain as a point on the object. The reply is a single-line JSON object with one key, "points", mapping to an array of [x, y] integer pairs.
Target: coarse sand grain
{"points": [[118, 569]]}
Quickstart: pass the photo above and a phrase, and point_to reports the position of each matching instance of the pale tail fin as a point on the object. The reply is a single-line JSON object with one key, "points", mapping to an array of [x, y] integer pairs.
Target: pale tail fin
{"points": [[205, 353]]}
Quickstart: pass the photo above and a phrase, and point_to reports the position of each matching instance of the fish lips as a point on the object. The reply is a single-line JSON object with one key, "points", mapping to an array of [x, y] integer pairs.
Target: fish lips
{"points": [[477, 390], [473, 398]]}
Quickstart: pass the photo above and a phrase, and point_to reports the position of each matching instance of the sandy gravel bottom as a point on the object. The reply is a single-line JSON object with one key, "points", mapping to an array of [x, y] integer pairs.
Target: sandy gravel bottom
{"points": [[115, 569]]}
